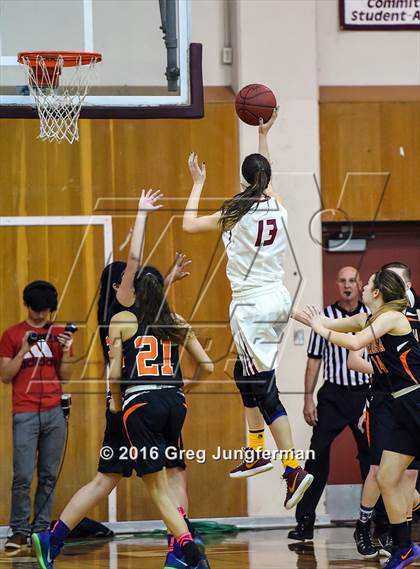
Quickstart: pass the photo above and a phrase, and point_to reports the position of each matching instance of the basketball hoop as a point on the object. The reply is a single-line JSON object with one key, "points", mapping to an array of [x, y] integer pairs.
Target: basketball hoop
{"points": [[59, 105]]}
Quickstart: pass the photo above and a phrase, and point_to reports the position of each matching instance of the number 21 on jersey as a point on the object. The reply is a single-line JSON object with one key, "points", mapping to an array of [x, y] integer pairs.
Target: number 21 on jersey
{"points": [[150, 352], [267, 231]]}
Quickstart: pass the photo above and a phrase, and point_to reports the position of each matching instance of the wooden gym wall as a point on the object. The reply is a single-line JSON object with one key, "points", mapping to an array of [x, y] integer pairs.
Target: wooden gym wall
{"points": [[370, 138], [102, 174]]}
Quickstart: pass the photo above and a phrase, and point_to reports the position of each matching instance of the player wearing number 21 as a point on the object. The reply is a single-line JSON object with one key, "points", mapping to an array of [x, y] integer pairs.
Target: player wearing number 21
{"points": [[146, 342], [254, 229]]}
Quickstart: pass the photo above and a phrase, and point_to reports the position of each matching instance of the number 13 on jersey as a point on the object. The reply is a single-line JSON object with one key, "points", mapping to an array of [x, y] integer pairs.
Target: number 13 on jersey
{"points": [[267, 231]]}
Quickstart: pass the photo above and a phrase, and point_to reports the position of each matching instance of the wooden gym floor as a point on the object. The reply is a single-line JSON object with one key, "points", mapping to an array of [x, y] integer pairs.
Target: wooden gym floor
{"points": [[332, 547]]}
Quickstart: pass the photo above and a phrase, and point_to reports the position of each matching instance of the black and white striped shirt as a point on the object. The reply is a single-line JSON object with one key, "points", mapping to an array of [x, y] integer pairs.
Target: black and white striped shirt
{"points": [[334, 357]]}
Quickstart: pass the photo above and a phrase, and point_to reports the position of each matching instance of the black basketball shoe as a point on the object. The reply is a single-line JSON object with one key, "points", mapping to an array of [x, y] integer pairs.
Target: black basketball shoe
{"points": [[304, 530], [364, 542]]}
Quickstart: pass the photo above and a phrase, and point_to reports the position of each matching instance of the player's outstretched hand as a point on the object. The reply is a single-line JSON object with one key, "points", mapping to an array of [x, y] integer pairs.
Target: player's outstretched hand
{"points": [[263, 128], [313, 317], [178, 271], [300, 316], [198, 174], [149, 200]]}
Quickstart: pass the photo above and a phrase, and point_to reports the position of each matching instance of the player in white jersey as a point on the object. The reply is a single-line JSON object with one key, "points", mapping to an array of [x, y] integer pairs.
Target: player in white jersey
{"points": [[254, 231], [256, 246]]}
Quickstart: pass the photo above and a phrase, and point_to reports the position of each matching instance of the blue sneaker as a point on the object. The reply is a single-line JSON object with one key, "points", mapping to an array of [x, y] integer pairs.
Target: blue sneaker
{"points": [[45, 551], [403, 557], [174, 562]]}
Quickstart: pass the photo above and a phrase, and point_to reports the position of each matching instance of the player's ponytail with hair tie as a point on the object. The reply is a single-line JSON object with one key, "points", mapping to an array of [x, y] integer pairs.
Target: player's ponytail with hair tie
{"points": [[256, 170], [152, 308]]}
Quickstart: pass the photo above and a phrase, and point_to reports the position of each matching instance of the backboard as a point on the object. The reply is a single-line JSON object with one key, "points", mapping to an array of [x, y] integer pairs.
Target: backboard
{"points": [[149, 69]]}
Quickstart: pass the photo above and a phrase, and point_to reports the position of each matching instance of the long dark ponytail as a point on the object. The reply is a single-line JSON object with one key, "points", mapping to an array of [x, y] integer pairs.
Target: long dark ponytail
{"points": [[112, 274], [256, 170], [153, 309]]}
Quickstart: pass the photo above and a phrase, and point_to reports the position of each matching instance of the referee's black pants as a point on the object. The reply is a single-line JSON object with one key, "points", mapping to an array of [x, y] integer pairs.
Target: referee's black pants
{"points": [[338, 407]]}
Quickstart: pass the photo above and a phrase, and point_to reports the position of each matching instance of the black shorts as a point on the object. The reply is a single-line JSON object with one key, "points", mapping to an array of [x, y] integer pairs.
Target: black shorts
{"points": [[114, 459], [153, 421], [380, 425], [405, 437]]}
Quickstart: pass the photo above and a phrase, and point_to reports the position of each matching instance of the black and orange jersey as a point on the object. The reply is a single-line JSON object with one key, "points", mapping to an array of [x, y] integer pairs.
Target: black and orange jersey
{"points": [[395, 361], [115, 308], [150, 360]]}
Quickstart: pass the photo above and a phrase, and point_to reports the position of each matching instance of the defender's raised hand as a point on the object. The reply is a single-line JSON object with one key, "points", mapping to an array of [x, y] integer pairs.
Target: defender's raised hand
{"points": [[149, 200], [178, 271]]}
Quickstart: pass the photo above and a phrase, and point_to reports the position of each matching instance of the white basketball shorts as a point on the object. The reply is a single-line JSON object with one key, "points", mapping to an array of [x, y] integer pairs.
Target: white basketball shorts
{"points": [[257, 321]]}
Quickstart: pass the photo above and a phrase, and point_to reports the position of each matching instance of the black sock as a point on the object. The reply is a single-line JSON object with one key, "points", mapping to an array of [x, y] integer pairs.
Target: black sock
{"points": [[400, 535], [409, 523], [365, 514], [191, 553], [189, 525]]}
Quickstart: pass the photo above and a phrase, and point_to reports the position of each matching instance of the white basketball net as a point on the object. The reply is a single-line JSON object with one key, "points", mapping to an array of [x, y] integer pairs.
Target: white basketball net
{"points": [[59, 105]]}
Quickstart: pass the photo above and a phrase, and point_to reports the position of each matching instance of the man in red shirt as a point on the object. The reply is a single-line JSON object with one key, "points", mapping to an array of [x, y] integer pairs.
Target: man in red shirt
{"points": [[36, 369]]}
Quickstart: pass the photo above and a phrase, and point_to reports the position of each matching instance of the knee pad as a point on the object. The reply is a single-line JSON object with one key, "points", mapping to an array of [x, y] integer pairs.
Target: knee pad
{"points": [[244, 387], [267, 396]]}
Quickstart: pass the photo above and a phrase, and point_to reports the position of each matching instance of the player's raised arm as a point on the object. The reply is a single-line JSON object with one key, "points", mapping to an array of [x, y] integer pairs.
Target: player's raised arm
{"points": [[384, 324], [148, 202], [263, 130], [191, 222], [351, 324]]}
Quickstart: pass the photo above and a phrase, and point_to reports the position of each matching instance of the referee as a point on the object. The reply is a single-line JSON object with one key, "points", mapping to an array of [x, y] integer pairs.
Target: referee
{"points": [[341, 401]]}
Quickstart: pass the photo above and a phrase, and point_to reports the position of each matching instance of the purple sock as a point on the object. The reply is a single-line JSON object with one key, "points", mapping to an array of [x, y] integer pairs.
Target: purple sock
{"points": [[59, 533], [178, 550]]}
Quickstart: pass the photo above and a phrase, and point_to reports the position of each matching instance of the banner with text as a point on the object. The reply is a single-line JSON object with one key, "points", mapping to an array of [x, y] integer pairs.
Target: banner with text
{"points": [[380, 14]]}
